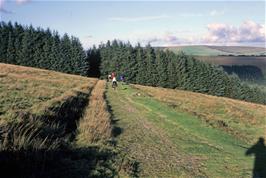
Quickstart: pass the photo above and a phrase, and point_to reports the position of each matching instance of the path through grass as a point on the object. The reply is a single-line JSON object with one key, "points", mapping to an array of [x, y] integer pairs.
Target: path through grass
{"points": [[170, 143]]}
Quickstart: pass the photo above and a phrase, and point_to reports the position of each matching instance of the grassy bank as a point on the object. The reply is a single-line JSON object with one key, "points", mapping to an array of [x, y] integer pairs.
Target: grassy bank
{"points": [[25, 89], [36, 140]]}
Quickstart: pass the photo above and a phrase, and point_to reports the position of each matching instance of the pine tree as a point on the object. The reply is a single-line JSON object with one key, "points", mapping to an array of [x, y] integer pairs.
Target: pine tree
{"points": [[10, 53]]}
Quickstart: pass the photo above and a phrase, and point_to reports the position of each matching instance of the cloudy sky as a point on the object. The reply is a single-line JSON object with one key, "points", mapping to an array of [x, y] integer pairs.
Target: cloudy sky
{"points": [[160, 23]]}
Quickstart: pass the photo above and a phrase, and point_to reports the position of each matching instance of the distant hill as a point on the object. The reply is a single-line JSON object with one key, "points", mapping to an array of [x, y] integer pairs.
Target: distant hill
{"points": [[236, 57], [202, 50]]}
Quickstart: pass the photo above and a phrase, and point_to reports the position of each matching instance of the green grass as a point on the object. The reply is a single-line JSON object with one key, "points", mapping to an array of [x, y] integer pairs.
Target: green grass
{"points": [[202, 50], [171, 143], [245, 121], [198, 50]]}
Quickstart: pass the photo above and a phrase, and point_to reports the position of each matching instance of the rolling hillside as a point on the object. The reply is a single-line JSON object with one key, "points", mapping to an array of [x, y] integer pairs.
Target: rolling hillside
{"points": [[72, 126], [43, 128], [218, 50], [174, 133], [230, 56], [25, 89]]}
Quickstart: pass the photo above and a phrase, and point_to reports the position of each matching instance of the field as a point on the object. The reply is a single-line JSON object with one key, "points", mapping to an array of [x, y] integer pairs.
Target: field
{"points": [[241, 50], [218, 50], [170, 133], [26, 89], [259, 62], [82, 126], [242, 61], [229, 56]]}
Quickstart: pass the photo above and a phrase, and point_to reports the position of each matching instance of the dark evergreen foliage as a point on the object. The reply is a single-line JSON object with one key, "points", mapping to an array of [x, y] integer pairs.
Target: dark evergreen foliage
{"points": [[147, 66], [36, 47], [245, 72]]}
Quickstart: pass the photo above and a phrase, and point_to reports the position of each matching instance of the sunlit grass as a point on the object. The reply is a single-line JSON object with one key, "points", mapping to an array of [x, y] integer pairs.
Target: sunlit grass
{"points": [[95, 125], [244, 120], [24, 89], [167, 132]]}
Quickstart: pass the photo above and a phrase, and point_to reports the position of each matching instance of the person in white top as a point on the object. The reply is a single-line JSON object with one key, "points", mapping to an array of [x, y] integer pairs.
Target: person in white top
{"points": [[109, 78], [114, 83]]}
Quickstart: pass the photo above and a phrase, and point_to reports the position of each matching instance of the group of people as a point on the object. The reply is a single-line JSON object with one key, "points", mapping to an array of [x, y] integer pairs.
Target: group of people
{"points": [[112, 77]]}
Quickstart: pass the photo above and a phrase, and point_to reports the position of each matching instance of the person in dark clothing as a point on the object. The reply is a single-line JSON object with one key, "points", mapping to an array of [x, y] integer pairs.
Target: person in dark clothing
{"points": [[259, 150]]}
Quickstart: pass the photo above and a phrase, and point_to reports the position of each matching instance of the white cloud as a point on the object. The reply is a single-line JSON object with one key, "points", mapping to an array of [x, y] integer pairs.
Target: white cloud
{"points": [[248, 32], [136, 19], [2, 3], [2, 9]]}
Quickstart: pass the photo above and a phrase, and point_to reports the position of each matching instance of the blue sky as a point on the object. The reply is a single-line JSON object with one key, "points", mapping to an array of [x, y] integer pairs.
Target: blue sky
{"points": [[159, 23]]}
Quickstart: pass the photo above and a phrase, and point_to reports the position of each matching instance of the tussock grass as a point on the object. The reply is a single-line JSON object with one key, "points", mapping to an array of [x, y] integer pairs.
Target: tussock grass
{"points": [[25, 89], [95, 125], [39, 111]]}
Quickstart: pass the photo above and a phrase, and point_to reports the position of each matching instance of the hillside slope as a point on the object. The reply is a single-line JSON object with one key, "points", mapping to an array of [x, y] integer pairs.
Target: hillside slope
{"points": [[172, 133], [26, 89], [202, 50], [133, 131], [39, 131]]}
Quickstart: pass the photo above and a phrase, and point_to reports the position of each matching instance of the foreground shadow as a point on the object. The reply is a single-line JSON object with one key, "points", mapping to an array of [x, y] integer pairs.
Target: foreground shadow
{"points": [[259, 151], [59, 163], [35, 149], [42, 146]]}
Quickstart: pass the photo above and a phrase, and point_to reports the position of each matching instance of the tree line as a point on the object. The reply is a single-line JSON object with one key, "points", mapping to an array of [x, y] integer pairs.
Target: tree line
{"points": [[155, 67], [245, 72], [36, 47]]}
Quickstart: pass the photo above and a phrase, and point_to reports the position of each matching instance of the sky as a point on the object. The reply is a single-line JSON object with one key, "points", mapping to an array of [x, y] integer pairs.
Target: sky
{"points": [[160, 23]]}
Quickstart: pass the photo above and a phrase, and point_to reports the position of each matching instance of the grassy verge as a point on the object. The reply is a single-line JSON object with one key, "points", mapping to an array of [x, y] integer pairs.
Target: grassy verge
{"points": [[95, 125], [167, 142], [36, 140]]}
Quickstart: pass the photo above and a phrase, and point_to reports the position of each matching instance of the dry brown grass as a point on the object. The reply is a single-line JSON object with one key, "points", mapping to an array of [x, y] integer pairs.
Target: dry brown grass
{"points": [[244, 120], [95, 126], [26, 89]]}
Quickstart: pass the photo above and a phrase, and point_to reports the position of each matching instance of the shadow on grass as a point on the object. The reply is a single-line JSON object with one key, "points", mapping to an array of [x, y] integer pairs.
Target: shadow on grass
{"points": [[41, 146], [259, 151], [116, 130], [35, 149], [65, 163]]}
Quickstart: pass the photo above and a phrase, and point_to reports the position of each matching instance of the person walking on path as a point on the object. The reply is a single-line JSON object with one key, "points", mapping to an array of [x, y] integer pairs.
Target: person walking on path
{"points": [[114, 83]]}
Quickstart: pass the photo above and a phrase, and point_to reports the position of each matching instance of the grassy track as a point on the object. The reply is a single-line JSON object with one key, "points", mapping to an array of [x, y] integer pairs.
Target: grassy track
{"points": [[172, 143]]}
